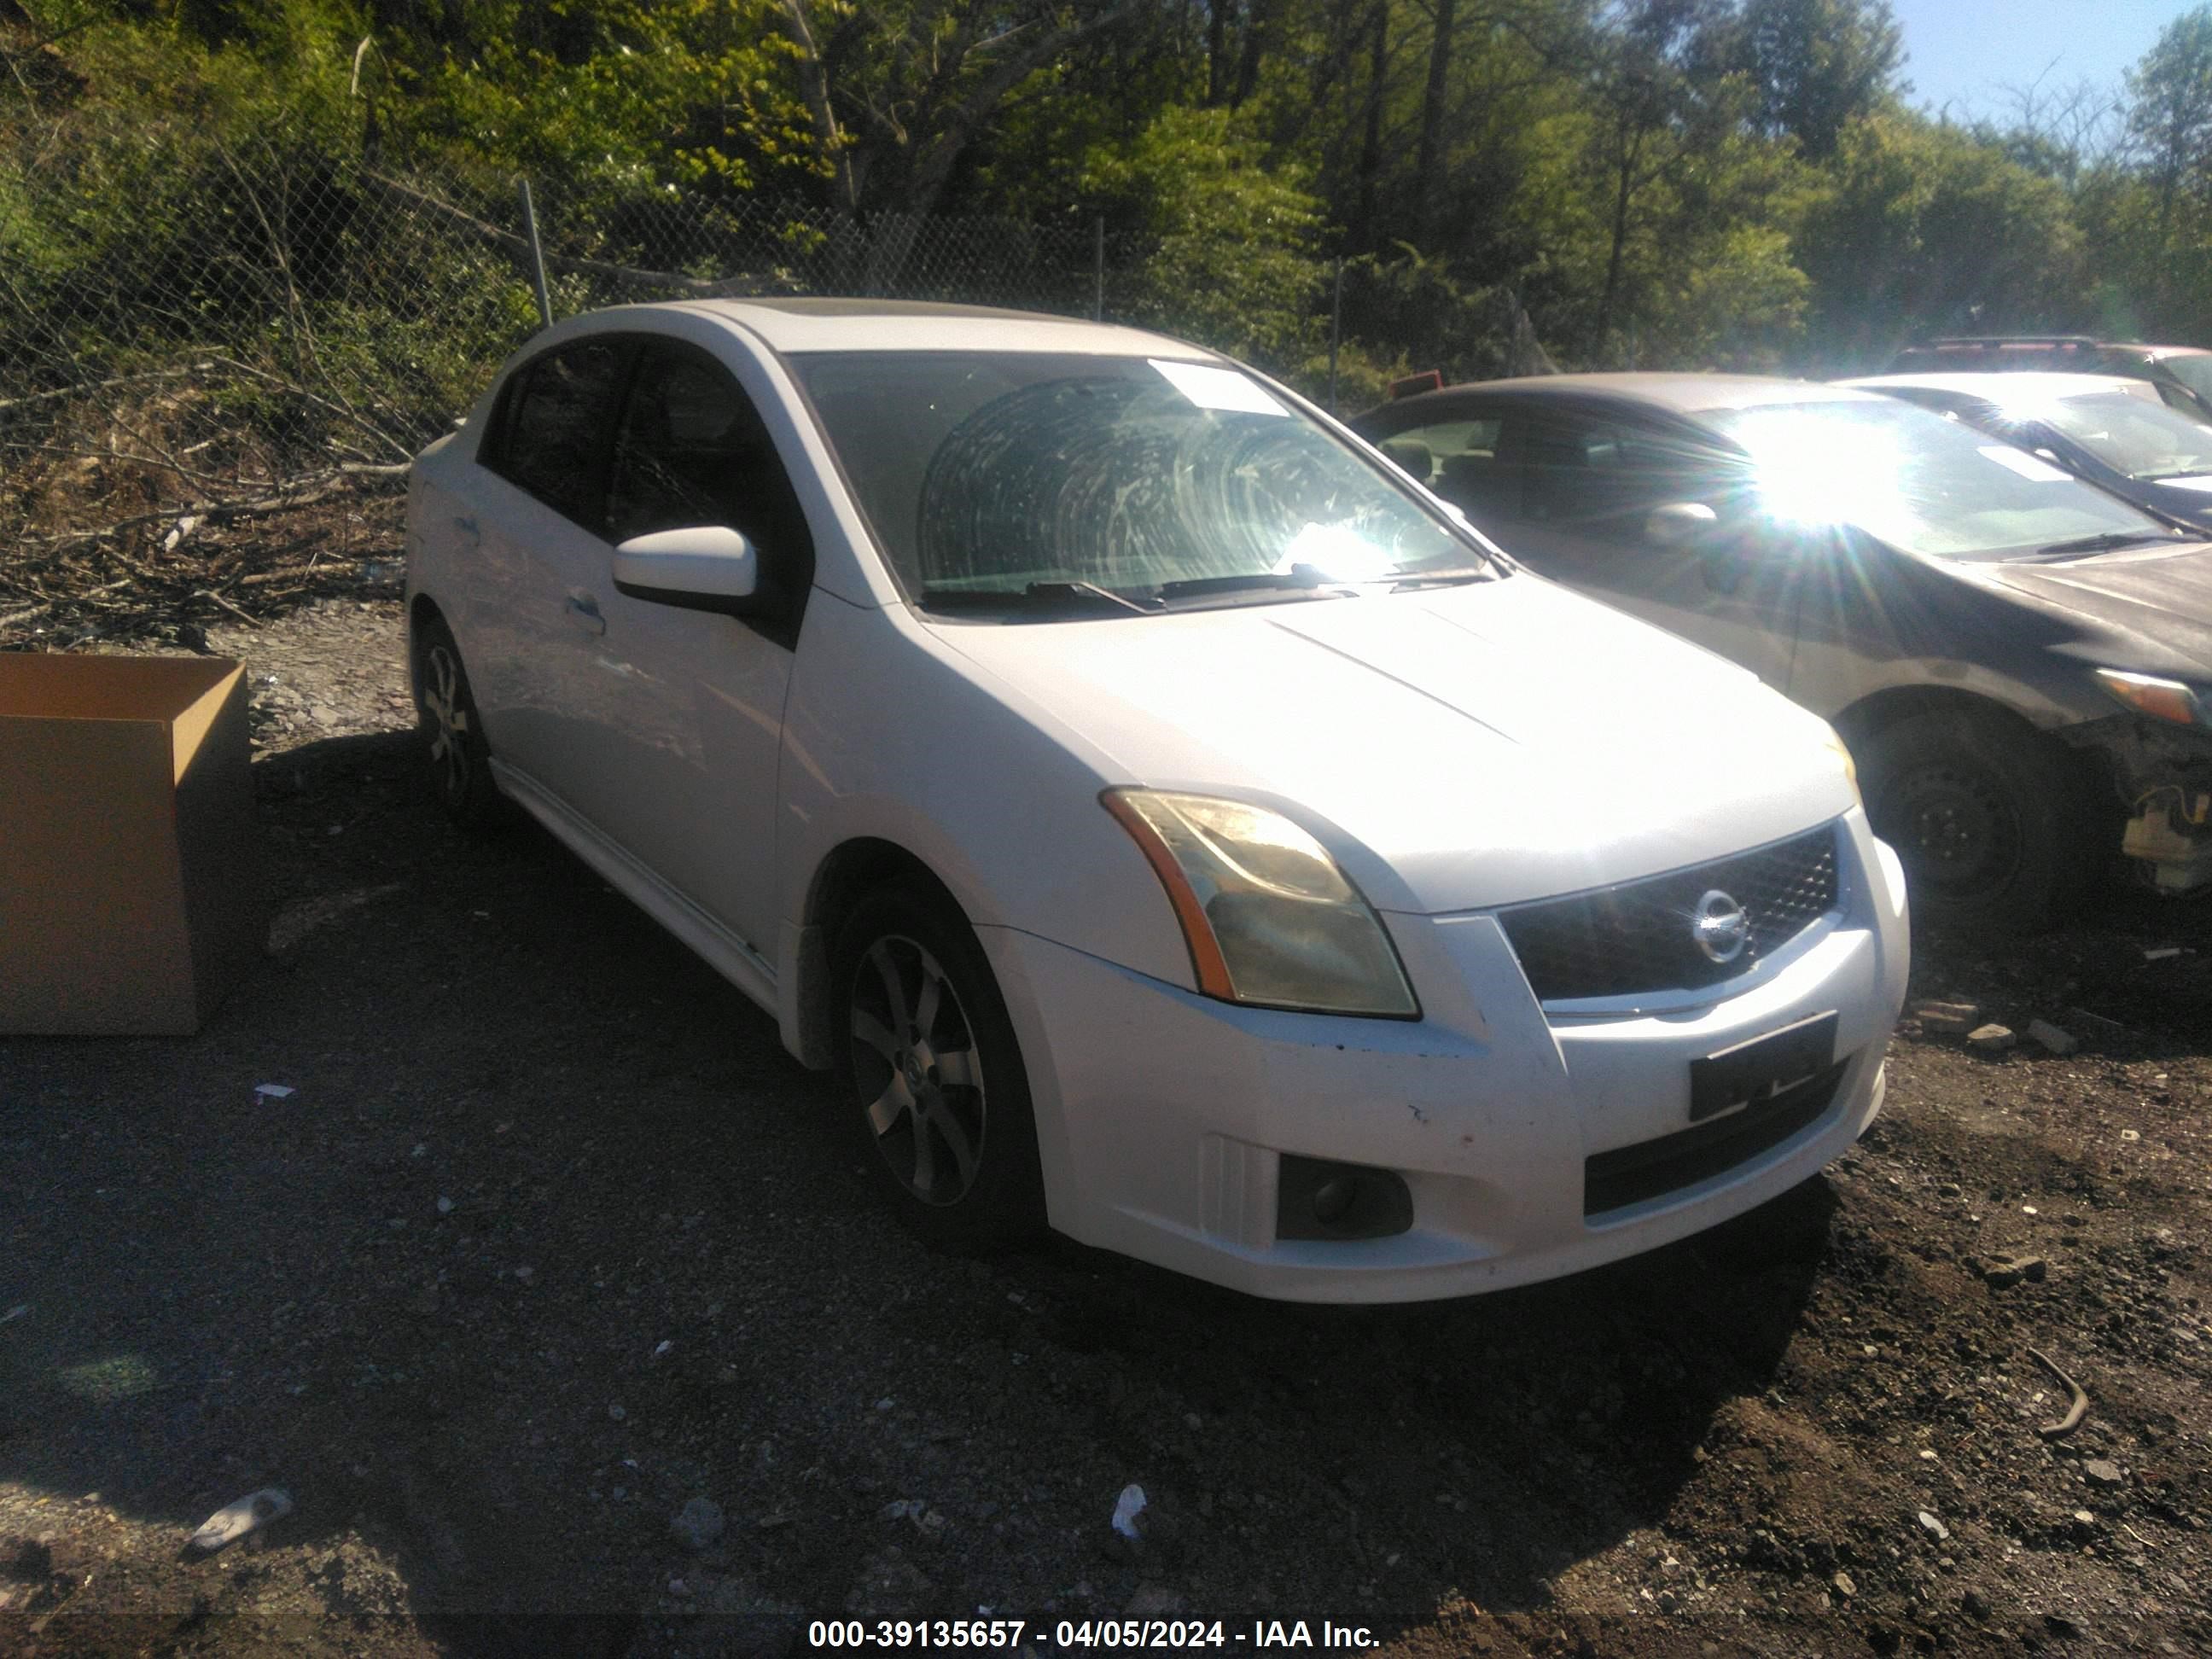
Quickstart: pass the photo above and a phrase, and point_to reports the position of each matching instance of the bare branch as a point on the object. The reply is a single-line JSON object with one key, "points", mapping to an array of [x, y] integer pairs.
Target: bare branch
{"points": [[814, 88], [88, 386], [704, 288]]}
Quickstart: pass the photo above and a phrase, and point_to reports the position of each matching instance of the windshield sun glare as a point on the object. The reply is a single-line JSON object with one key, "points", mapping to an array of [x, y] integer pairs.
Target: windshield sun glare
{"points": [[1023, 473], [1916, 481]]}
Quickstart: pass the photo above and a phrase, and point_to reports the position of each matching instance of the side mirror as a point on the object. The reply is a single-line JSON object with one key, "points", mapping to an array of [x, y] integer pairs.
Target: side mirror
{"points": [[704, 568], [1677, 522]]}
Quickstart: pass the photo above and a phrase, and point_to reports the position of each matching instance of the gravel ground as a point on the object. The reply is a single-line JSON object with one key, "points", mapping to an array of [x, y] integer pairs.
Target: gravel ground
{"points": [[551, 1241]]}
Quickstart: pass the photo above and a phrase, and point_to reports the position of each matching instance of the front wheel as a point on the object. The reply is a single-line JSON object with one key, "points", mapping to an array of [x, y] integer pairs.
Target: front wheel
{"points": [[1990, 819], [932, 1074]]}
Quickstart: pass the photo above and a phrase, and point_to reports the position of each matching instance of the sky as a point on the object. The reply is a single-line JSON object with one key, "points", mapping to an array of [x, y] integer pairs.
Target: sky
{"points": [[1964, 53]]}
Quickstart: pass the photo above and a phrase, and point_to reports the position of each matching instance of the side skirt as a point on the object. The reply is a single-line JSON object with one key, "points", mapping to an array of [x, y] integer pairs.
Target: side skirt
{"points": [[720, 949]]}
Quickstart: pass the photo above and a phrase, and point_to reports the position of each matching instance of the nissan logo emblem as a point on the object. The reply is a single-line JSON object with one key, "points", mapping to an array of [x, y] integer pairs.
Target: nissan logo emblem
{"points": [[1720, 926]]}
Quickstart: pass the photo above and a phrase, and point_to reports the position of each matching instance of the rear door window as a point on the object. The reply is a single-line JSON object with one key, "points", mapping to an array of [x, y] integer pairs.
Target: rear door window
{"points": [[552, 435]]}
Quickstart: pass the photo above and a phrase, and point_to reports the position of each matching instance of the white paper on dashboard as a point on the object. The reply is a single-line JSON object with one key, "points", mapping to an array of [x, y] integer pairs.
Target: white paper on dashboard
{"points": [[2028, 466], [1222, 389]]}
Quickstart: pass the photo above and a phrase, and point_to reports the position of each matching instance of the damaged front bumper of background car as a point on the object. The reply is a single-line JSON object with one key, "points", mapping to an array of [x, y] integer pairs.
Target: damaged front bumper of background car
{"points": [[2162, 770]]}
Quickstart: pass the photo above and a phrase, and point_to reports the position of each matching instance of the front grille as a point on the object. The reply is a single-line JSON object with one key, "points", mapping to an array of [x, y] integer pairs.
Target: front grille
{"points": [[1629, 1175], [1636, 939]]}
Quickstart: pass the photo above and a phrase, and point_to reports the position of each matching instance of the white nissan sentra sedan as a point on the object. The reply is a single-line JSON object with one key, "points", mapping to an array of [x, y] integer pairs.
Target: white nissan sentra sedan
{"points": [[1172, 824]]}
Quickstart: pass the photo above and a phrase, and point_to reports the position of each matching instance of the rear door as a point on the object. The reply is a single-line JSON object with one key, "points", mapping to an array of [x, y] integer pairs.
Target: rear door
{"points": [[546, 693]]}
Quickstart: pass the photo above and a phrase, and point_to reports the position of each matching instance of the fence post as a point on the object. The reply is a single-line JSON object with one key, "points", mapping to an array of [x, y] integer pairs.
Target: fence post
{"points": [[1098, 269], [1335, 328], [536, 253]]}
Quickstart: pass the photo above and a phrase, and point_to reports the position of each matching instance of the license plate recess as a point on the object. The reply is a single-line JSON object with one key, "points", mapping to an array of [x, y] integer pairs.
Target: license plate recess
{"points": [[1761, 1068]]}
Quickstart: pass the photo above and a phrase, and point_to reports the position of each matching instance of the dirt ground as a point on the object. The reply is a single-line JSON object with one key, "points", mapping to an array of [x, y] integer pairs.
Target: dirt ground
{"points": [[552, 1239]]}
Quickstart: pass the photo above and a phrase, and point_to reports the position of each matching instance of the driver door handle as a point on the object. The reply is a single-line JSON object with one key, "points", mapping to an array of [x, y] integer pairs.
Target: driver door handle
{"points": [[586, 610]]}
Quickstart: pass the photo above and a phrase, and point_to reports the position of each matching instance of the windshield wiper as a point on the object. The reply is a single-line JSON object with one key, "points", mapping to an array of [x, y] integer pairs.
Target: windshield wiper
{"points": [[1036, 596], [1251, 582], [1456, 574], [2109, 539], [1302, 580]]}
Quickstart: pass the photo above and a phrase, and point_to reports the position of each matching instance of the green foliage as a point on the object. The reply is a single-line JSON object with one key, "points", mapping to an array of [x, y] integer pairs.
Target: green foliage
{"points": [[600, 99], [1918, 227], [1818, 64], [1235, 258], [1662, 183]]}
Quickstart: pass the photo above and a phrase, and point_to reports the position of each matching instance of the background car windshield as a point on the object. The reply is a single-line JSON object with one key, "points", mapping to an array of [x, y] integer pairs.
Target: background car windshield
{"points": [[2193, 370], [1916, 480], [2142, 439], [994, 471]]}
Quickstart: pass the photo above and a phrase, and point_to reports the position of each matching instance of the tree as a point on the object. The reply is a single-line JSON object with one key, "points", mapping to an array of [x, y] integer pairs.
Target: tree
{"points": [[2059, 129], [1647, 82], [898, 93], [2170, 118], [1818, 64], [1235, 258], [1921, 227]]}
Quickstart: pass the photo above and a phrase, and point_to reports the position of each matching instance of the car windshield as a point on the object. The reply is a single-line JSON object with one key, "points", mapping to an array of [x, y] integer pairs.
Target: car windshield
{"points": [[1918, 481], [2193, 369], [1068, 475], [2143, 438]]}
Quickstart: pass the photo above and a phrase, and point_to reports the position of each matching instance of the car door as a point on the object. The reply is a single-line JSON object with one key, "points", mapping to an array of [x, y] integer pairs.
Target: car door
{"points": [[546, 695], [1651, 520], [688, 783]]}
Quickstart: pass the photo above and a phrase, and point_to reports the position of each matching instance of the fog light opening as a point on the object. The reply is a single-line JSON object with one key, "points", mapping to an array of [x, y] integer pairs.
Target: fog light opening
{"points": [[1340, 1202]]}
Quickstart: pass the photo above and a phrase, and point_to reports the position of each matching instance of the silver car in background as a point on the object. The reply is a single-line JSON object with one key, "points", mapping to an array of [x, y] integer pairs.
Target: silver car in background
{"points": [[2114, 433]]}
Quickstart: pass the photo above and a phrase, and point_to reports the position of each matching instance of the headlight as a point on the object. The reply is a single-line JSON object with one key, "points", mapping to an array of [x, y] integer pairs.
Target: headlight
{"points": [[1268, 916], [2161, 700]]}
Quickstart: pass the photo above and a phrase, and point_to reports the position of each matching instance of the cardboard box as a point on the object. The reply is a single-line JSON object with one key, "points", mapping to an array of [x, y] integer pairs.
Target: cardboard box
{"points": [[129, 897]]}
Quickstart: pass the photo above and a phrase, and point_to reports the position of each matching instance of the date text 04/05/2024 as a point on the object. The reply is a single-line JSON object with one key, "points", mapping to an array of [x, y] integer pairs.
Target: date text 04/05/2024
{"points": [[1263, 1635]]}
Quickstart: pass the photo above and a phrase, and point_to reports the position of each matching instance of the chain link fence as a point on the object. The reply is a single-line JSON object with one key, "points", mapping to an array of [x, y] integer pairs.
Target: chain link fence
{"points": [[208, 401], [222, 338]]}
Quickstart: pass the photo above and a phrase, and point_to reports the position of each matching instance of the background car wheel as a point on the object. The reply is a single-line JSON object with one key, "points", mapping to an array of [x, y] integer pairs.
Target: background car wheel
{"points": [[460, 773], [1992, 820], [932, 1074]]}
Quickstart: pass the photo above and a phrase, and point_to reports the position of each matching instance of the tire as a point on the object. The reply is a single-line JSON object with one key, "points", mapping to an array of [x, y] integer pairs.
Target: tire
{"points": [[931, 1073], [452, 732], [1992, 820]]}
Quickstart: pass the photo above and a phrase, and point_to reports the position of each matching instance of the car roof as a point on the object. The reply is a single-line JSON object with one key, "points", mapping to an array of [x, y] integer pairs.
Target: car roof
{"points": [[1999, 347], [1678, 394], [853, 325], [2015, 386]]}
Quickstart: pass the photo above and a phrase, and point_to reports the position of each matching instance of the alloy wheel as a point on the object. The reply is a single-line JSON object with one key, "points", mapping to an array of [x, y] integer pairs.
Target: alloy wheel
{"points": [[921, 1081], [447, 703]]}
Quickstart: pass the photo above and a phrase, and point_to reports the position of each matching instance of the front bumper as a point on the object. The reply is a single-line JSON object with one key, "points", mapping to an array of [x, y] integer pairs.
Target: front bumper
{"points": [[1163, 1117], [2163, 775]]}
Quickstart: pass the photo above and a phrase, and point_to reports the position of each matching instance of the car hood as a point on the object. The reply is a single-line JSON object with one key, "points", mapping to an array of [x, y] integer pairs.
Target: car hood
{"points": [[1456, 749], [2156, 600]]}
